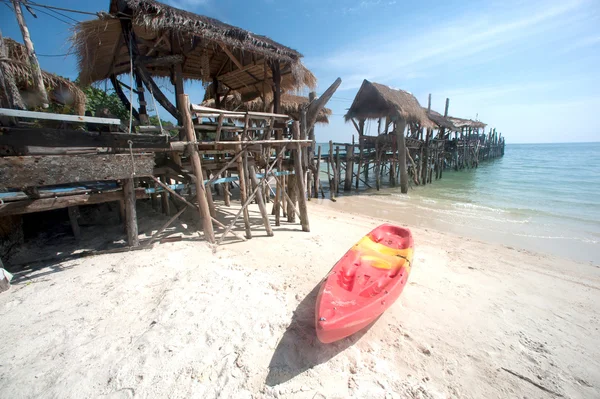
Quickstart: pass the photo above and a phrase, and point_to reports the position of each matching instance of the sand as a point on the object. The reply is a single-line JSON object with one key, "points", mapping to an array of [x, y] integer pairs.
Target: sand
{"points": [[185, 320]]}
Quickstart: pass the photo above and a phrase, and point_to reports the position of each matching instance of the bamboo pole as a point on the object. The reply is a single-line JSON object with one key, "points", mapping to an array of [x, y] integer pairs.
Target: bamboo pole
{"points": [[36, 72], [226, 192], [277, 202], [201, 194], [300, 180]]}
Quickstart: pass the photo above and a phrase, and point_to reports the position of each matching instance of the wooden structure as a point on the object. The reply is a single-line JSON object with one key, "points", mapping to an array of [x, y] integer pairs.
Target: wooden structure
{"points": [[251, 156], [411, 144]]}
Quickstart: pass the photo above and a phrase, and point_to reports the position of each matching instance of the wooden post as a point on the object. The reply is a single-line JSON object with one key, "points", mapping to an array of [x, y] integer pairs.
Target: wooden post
{"points": [[164, 198], [73, 215], [317, 179], [338, 175], [36, 72], [226, 193], [209, 195], [276, 70], [300, 179], [130, 213], [242, 183], [361, 126], [400, 126], [261, 202], [349, 167], [201, 194], [331, 176], [377, 167], [292, 198], [142, 112]]}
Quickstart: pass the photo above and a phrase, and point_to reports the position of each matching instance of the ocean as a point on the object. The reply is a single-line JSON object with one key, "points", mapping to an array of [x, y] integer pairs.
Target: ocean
{"points": [[538, 197]]}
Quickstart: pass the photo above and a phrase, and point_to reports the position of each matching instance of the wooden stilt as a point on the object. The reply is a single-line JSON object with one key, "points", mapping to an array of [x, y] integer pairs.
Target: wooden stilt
{"points": [[277, 202], [73, 215], [331, 176], [226, 193], [400, 126], [130, 213], [338, 164], [292, 192], [242, 183], [164, 198], [316, 177], [300, 179], [261, 203], [201, 194]]}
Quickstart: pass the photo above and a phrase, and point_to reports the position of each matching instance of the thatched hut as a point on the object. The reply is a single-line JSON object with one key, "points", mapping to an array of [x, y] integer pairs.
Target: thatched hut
{"points": [[291, 105], [440, 121], [163, 41], [60, 90], [400, 109], [466, 123]]}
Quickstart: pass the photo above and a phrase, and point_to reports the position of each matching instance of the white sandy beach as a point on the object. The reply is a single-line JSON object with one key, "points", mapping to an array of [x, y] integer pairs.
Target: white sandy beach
{"points": [[184, 321]]}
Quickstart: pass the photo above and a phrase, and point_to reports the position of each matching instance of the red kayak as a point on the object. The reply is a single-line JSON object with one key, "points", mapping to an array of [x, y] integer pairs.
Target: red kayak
{"points": [[364, 282]]}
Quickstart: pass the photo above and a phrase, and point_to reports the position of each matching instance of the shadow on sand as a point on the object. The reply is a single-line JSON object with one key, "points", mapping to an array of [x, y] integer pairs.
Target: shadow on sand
{"points": [[299, 349]]}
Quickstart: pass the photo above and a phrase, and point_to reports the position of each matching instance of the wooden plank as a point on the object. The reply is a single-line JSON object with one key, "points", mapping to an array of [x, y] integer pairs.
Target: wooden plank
{"points": [[57, 117], [45, 170], [44, 137], [47, 204]]}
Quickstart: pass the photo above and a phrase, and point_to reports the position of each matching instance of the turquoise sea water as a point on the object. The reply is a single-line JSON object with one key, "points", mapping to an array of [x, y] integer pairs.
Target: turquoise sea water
{"points": [[539, 197]]}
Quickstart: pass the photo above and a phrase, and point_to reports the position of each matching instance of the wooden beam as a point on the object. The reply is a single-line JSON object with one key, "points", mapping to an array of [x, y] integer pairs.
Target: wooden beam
{"points": [[231, 56], [47, 204], [315, 107], [16, 172], [156, 92], [45, 137], [119, 91]]}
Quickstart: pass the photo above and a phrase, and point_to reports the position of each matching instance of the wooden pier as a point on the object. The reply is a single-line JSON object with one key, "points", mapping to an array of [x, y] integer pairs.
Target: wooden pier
{"points": [[412, 146]]}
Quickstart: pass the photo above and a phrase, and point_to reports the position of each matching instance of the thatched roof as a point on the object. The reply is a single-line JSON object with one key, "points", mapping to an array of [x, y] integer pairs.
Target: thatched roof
{"points": [[290, 104], [60, 90], [460, 122], [439, 119], [207, 48], [374, 101]]}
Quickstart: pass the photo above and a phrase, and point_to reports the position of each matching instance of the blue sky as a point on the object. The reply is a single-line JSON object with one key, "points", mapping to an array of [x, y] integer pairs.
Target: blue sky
{"points": [[528, 68]]}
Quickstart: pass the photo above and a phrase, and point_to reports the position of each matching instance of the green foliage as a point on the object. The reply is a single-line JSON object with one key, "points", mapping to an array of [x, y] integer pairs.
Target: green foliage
{"points": [[166, 125], [99, 100]]}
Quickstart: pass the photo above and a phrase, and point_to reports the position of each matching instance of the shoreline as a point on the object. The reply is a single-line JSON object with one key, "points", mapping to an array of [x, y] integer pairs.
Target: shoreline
{"points": [[187, 320], [471, 221]]}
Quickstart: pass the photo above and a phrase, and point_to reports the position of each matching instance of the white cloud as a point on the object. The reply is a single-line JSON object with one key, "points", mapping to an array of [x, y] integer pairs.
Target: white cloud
{"points": [[398, 54]]}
